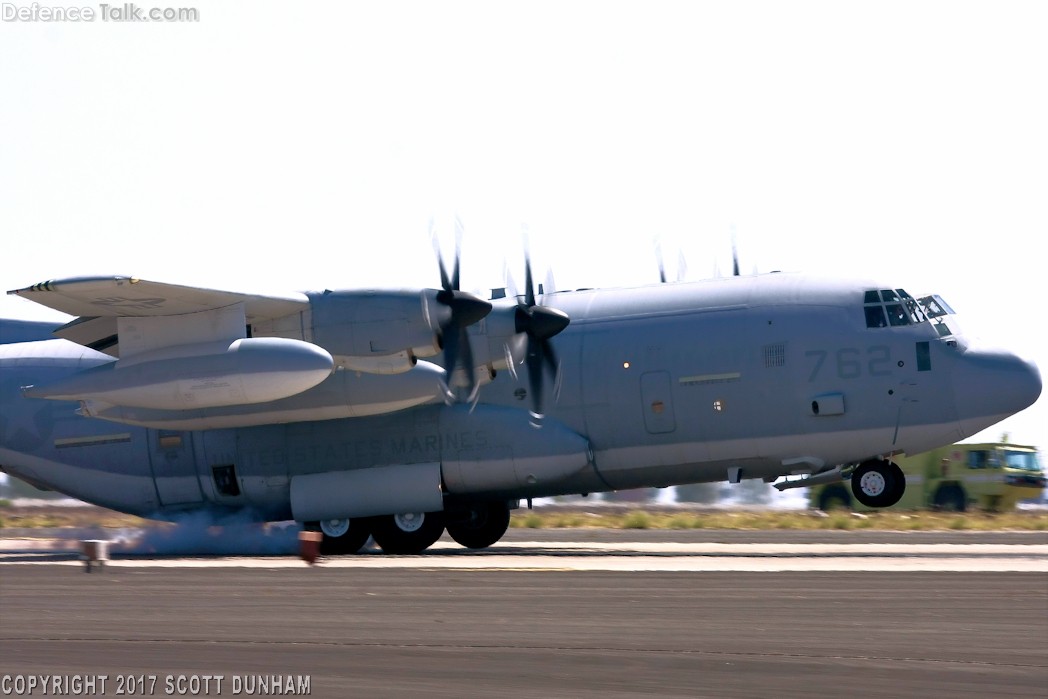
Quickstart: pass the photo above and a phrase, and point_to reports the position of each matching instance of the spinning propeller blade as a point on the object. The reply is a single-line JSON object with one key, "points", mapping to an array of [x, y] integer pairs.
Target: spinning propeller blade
{"points": [[465, 310], [539, 323]]}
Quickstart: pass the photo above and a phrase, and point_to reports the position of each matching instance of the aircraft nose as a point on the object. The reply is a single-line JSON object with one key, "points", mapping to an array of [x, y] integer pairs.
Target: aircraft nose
{"points": [[993, 385]]}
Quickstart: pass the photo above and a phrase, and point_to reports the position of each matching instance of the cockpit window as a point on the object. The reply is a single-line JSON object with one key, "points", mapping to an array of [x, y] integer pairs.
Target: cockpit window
{"points": [[935, 307], [896, 308], [875, 317], [896, 315]]}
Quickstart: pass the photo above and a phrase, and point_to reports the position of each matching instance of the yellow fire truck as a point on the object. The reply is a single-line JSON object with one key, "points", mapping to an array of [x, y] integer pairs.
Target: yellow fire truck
{"points": [[987, 476]]}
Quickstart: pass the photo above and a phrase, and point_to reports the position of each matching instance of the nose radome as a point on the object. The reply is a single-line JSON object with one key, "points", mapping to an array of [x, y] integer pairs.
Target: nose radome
{"points": [[993, 385]]}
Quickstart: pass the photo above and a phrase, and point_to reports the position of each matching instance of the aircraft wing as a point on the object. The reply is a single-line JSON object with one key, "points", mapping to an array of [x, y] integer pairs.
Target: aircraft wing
{"points": [[128, 296], [101, 301]]}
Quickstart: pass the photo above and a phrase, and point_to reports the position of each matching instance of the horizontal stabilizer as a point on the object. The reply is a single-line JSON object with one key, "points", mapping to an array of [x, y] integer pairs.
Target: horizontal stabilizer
{"points": [[12, 331]]}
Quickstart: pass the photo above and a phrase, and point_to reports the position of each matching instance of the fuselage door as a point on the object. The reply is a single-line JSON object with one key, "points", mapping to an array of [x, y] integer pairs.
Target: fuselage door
{"points": [[174, 467], [657, 402]]}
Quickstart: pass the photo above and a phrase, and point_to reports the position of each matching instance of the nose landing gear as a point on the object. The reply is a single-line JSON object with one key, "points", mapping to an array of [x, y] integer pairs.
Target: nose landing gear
{"points": [[878, 483]]}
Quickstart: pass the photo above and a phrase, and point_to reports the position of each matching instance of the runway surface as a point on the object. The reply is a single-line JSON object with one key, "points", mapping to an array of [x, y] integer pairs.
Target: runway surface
{"points": [[610, 614]]}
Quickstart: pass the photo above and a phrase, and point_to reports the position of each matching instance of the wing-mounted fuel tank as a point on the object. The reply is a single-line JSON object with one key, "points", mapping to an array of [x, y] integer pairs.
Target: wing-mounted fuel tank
{"points": [[344, 394], [245, 371], [193, 361]]}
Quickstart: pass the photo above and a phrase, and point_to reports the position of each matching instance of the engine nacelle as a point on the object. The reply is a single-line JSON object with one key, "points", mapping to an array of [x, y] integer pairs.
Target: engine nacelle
{"points": [[376, 324], [496, 343], [255, 370]]}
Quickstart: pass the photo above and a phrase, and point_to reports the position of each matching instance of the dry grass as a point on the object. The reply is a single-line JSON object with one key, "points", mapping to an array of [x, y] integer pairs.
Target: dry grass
{"points": [[617, 518], [49, 516], [791, 519]]}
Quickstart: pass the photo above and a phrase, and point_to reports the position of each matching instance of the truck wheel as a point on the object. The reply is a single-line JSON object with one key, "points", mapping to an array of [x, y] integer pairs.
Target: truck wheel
{"points": [[950, 498], [835, 497]]}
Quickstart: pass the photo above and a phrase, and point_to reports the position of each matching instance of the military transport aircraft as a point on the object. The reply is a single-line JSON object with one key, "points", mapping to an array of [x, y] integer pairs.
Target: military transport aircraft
{"points": [[402, 414]]}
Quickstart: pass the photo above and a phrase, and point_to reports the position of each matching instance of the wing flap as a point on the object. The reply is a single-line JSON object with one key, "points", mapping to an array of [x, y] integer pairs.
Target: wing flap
{"points": [[100, 333]]}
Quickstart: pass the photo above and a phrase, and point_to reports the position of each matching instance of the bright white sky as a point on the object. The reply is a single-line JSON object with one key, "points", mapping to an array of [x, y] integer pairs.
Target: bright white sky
{"points": [[282, 146]]}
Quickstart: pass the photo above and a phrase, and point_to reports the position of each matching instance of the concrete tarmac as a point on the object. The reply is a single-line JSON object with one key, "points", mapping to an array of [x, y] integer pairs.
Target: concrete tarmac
{"points": [[384, 626]]}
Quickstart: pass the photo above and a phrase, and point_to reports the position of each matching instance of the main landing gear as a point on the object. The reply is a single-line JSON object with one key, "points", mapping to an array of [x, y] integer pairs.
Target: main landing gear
{"points": [[475, 525], [479, 525], [343, 536], [409, 533], [878, 483]]}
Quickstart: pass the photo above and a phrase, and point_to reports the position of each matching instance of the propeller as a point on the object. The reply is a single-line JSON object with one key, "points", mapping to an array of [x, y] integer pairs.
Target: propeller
{"points": [[658, 257], [538, 323], [734, 253], [682, 263], [465, 310]]}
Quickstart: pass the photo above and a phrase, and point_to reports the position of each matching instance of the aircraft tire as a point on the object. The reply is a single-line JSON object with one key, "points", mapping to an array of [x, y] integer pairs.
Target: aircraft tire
{"points": [[950, 498], [481, 526], [878, 483], [834, 497], [345, 543], [407, 534]]}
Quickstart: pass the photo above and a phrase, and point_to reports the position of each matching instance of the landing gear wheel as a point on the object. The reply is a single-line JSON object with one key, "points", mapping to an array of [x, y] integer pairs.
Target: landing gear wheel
{"points": [[481, 525], [835, 497], [408, 533], [343, 536], [878, 483]]}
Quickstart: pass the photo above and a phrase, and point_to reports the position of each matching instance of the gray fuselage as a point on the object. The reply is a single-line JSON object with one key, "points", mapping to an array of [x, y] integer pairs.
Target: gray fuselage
{"points": [[746, 377]]}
